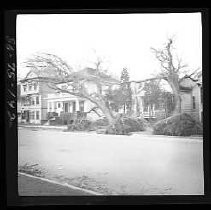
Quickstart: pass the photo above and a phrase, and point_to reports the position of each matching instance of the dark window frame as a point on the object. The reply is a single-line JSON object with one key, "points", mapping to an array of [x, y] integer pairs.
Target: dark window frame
{"points": [[30, 87], [32, 117], [37, 100], [66, 107], [24, 88], [194, 102], [32, 101], [35, 86], [37, 114], [74, 106]]}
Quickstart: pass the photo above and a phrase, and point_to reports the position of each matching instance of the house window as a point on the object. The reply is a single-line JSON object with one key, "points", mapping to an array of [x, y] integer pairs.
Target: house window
{"points": [[37, 115], [29, 101], [66, 105], [24, 88], [74, 106], [59, 105], [194, 102], [30, 87], [32, 115], [54, 105], [23, 115], [26, 101], [81, 106], [37, 99], [35, 86], [32, 101]]}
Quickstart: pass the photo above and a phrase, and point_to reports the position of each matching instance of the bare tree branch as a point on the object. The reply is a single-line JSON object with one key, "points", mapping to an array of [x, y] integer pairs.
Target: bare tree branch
{"points": [[169, 72]]}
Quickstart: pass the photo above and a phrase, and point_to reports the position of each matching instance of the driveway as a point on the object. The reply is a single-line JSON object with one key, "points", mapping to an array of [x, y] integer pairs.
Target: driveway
{"points": [[116, 165]]}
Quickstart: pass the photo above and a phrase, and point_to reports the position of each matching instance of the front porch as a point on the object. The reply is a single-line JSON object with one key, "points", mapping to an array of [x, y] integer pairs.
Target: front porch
{"points": [[65, 118]]}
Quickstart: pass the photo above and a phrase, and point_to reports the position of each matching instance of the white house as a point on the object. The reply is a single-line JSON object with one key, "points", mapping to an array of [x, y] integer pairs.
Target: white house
{"points": [[191, 90], [67, 106], [32, 104]]}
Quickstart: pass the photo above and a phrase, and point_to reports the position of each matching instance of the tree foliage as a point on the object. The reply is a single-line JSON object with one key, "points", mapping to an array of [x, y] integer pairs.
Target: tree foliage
{"points": [[126, 90], [156, 96], [121, 97], [153, 93]]}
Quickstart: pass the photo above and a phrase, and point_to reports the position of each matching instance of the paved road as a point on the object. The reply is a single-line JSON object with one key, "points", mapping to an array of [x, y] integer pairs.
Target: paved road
{"points": [[134, 165], [29, 186]]}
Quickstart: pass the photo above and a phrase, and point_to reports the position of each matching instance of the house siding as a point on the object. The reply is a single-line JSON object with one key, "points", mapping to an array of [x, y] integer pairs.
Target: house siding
{"points": [[187, 100], [37, 112]]}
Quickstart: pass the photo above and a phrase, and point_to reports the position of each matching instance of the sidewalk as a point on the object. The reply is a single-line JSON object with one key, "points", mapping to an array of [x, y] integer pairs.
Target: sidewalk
{"points": [[34, 186], [62, 127]]}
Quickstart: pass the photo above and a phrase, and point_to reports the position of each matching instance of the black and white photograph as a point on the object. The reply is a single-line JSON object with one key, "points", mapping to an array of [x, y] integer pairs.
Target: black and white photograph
{"points": [[110, 104]]}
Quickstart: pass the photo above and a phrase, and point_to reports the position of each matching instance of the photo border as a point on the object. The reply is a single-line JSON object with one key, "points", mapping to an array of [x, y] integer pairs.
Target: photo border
{"points": [[11, 142]]}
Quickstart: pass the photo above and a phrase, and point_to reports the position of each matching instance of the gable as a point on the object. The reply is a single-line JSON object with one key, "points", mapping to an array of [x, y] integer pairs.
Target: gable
{"points": [[31, 75], [187, 83]]}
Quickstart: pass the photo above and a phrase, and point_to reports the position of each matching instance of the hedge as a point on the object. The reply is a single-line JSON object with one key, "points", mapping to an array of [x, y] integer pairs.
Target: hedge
{"points": [[178, 125], [125, 125]]}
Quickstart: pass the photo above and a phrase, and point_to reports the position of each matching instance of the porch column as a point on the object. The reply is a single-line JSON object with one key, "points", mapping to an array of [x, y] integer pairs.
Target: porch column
{"points": [[77, 107], [48, 106], [70, 106], [141, 105], [153, 109]]}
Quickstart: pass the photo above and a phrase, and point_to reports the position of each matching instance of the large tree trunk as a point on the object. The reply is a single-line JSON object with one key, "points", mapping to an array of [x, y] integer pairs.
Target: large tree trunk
{"points": [[107, 112], [176, 92], [177, 108], [109, 116]]}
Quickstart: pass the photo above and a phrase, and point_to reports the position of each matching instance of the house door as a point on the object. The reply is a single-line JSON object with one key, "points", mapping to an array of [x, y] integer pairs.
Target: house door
{"points": [[66, 107], [74, 106], [26, 114]]}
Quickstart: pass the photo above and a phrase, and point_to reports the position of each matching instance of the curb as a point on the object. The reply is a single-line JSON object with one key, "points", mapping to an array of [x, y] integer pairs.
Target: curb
{"points": [[200, 138], [64, 185], [175, 138], [41, 127]]}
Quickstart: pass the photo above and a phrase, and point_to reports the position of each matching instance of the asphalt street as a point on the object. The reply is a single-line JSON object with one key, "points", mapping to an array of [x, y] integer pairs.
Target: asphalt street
{"points": [[116, 165]]}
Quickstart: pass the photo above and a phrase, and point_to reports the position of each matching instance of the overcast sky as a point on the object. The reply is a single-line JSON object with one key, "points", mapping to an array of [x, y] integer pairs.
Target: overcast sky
{"points": [[122, 40]]}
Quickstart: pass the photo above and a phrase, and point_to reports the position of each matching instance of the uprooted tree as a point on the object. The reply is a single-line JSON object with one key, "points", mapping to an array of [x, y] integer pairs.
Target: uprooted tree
{"points": [[77, 83], [171, 67]]}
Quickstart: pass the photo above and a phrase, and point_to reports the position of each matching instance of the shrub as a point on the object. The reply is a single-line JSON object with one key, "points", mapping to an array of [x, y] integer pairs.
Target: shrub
{"points": [[99, 123], [117, 129], [51, 115], [125, 125], [79, 125], [178, 125]]}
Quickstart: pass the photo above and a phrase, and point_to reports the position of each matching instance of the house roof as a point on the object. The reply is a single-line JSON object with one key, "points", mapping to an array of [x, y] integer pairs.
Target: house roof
{"points": [[87, 73], [189, 81], [44, 73]]}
